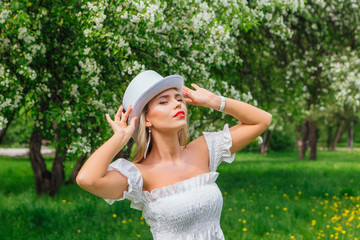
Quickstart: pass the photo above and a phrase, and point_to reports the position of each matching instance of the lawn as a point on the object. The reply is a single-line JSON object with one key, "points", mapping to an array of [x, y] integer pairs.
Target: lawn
{"points": [[274, 196]]}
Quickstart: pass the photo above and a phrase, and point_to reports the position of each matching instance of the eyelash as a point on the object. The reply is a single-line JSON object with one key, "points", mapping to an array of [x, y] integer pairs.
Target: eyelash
{"points": [[163, 102]]}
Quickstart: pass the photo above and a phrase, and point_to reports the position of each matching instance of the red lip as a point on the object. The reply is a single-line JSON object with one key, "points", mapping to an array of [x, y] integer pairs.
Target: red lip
{"points": [[180, 114]]}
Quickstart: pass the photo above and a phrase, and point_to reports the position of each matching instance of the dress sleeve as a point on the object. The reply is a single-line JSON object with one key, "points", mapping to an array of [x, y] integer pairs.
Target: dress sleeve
{"points": [[134, 178], [219, 144]]}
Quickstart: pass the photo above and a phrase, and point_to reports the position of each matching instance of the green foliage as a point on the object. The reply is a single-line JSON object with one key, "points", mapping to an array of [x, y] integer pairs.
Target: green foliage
{"points": [[19, 132], [282, 141]]}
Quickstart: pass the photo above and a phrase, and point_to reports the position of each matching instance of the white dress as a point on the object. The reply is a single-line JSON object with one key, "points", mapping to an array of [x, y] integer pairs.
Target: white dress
{"points": [[186, 210]]}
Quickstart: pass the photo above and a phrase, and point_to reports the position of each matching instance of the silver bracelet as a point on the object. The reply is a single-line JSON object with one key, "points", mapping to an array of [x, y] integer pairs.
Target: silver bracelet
{"points": [[222, 106]]}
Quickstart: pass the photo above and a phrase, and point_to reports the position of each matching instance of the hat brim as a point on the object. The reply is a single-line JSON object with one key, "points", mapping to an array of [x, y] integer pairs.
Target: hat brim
{"points": [[173, 81]]}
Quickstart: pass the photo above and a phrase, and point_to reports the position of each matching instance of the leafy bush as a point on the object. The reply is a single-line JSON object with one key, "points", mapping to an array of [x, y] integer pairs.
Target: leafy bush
{"points": [[282, 141]]}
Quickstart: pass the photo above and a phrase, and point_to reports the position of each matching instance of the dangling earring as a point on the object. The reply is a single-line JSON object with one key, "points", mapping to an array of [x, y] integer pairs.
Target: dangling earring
{"points": [[148, 143]]}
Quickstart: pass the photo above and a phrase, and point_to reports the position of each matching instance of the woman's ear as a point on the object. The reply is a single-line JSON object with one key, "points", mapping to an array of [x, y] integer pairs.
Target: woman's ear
{"points": [[147, 123]]}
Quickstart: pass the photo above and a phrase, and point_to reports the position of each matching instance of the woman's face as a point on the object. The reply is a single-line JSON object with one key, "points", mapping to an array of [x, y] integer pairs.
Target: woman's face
{"points": [[167, 111]]}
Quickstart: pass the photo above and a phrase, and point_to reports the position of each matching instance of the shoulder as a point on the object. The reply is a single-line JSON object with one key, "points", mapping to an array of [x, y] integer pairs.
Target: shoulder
{"points": [[197, 150]]}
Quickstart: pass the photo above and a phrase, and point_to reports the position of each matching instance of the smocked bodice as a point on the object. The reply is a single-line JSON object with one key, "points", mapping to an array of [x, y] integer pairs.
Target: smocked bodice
{"points": [[189, 209]]}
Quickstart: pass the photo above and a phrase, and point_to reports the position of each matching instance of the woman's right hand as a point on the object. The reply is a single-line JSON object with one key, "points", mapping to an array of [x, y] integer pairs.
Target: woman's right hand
{"points": [[119, 124]]}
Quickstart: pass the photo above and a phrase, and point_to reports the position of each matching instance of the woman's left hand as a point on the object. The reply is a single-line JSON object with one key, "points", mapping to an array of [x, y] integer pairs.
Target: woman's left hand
{"points": [[199, 97]]}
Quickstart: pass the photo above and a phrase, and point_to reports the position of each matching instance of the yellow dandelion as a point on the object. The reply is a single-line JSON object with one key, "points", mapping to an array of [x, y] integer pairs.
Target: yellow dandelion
{"points": [[239, 219], [299, 192], [313, 222], [142, 217], [339, 228], [272, 216], [267, 234], [292, 237], [64, 201], [114, 215], [244, 221], [130, 220], [267, 208], [225, 193], [230, 209], [244, 229], [138, 235], [285, 209], [242, 210], [123, 221], [79, 230]]}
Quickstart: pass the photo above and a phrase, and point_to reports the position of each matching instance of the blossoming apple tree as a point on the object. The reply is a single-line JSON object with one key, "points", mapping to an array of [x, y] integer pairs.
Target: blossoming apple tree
{"points": [[67, 64]]}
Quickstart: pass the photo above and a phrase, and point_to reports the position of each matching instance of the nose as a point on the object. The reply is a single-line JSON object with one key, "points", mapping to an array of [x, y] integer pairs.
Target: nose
{"points": [[177, 104]]}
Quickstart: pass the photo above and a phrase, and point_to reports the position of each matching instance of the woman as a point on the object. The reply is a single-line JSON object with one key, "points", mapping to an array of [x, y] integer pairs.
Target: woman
{"points": [[172, 182]]}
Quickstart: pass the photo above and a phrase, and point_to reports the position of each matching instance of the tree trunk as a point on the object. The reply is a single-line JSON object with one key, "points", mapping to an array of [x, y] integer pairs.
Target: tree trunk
{"points": [[329, 139], [304, 141], [350, 137], [338, 134], [297, 136], [125, 154], [313, 141], [76, 170], [45, 181], [42, 176], [58, 173], [264, 147], [3, 130]]}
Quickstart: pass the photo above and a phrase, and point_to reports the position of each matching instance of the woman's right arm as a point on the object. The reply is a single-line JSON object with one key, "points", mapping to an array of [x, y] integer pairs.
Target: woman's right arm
{"points": [[94, 176]]}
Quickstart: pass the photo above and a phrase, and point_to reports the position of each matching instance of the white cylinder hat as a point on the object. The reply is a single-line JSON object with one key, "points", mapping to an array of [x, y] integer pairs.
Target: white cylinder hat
{"points": [[143, 88]]}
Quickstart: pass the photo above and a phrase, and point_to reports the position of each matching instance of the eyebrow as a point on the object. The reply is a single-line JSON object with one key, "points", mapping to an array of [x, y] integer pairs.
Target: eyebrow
{"points": [[167, 95]]}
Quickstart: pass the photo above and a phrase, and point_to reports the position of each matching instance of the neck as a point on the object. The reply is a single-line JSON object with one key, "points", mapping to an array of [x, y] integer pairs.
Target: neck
{"points": [[165, 147]]}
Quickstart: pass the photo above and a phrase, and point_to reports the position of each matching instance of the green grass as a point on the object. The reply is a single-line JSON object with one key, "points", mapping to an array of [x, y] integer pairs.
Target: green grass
{"points": [[274, 196]]}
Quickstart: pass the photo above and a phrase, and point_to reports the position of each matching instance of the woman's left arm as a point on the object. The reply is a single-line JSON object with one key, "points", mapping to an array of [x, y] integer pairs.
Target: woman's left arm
{"points": [[253, 120]]}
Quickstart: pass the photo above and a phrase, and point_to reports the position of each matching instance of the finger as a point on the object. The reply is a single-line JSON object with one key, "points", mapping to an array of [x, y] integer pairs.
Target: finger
{"points": [[186, 88], [184, 93], [132, 122], [187, 92], [195, 86], [188, 100], [118, 114], [108, 118], [126, 114]]}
